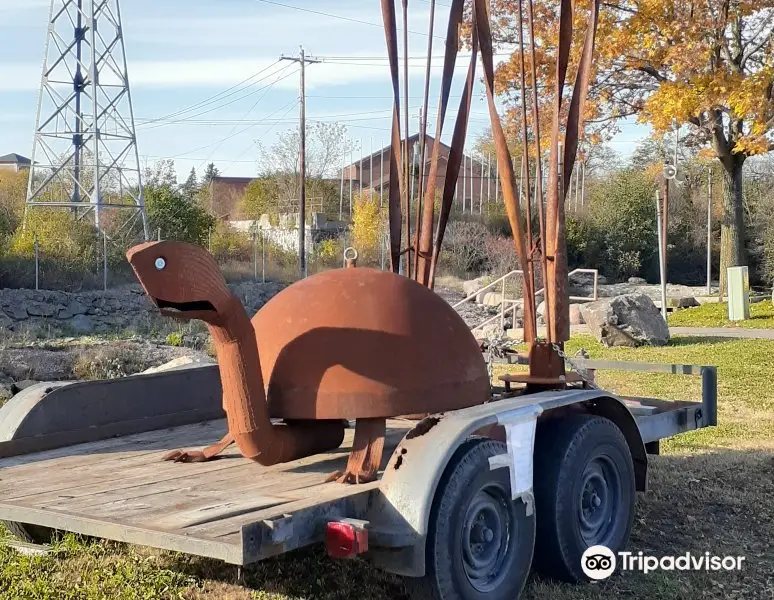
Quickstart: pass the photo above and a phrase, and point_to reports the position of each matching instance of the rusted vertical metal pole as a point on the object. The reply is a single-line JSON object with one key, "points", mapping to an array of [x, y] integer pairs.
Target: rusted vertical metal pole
{"points": [[424, 234], [396, 160], [524, 185], [406, 181], [558, 272], [456, 153], [512, 202], [426, 241], [538, 154]]}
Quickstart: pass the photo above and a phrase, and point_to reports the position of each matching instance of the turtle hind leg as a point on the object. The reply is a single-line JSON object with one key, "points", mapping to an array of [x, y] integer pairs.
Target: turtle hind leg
{"points": [[366, 455]]}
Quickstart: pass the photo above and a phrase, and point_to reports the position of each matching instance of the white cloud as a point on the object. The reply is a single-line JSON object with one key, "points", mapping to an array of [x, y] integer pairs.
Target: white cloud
{"points": [[20, 5]]}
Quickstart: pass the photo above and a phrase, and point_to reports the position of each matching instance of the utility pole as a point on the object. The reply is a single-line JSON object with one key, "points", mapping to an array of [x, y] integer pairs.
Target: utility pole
{"points": [[302, 59]]}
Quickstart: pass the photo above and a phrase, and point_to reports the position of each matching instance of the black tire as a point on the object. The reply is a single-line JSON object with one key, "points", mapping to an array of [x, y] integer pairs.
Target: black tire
{"points": [[584, 492], [34, 534], [480, 542]]}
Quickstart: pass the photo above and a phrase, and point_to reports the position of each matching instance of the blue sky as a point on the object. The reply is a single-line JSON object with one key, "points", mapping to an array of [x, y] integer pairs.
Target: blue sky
{"points": [[181, 53]]}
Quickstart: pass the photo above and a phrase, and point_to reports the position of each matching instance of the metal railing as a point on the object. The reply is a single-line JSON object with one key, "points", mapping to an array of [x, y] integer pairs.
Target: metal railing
{"points": [[509, 305]]}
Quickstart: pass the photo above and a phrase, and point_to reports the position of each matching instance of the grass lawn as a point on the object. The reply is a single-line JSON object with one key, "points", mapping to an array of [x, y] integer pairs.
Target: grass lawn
{"points": [[716, 315], [711, 491]]}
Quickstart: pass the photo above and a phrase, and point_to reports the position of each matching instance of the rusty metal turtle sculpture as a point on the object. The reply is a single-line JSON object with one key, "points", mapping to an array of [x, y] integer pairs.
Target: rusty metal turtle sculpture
{"points": [[347, 344]]}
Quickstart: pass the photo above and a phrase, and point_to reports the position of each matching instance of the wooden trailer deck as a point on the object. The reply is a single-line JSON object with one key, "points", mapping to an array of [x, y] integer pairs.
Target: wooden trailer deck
{"points": [[230, 509]]}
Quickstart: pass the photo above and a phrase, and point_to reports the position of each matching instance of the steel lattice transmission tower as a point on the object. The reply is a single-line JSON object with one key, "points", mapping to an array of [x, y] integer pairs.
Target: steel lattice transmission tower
{"points": [[85, 155]]}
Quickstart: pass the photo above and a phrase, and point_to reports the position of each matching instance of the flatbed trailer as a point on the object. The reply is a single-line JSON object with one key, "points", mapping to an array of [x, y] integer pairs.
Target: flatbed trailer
{"points": [[86, 458]]}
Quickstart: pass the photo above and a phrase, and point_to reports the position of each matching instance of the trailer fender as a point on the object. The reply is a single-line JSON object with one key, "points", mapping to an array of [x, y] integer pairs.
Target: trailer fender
{"points": [[614, 409], [400, 514]]}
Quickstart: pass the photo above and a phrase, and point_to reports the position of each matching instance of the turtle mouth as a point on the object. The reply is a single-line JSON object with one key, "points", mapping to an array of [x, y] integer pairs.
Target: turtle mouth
{"points": [[184, 309]]}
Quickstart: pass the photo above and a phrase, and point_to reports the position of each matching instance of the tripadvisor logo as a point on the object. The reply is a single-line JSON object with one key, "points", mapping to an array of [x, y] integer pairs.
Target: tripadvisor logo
{"points": [[599, 562]]}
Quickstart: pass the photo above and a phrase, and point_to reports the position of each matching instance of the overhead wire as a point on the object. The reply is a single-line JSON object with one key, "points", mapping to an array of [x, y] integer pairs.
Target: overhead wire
{"points": [[215, 97], [157, 123]]}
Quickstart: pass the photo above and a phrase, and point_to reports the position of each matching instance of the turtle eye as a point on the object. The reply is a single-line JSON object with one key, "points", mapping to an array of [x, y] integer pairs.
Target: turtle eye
{"points": [[160, 264]]}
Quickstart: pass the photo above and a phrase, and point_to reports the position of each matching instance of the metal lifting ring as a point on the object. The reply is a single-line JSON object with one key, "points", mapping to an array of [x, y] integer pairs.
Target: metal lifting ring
{"points": [[350, 253]]}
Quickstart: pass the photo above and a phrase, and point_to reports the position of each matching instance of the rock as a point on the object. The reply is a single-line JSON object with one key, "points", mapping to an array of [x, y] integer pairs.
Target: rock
{"points": [[601, 280], [541, 309], [36, 363], [40, 309], [82, 324], [15, 311], [71, 309], [23, 385], [492, 299], [469, 287], [6, 393], [682, 302], [628, 320], [493, 330], [576, 315], [637, 281], [177, 363]]}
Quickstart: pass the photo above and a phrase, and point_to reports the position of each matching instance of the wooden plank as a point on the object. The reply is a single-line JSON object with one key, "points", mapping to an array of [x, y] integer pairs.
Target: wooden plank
{"points": [[30, 445], [119, 490], [315, 496], [121, 532], [141, 442]]}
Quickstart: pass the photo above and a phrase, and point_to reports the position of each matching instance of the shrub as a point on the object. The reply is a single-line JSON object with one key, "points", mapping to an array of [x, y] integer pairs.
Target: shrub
{"points": [[367, 224], [109, 362], [228, 244], [464, 249], [261, 198], [501, 254], [177, 218], [330, 252], [623, 217]]}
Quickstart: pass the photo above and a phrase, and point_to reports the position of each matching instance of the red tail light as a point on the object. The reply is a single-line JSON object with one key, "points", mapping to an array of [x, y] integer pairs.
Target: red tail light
{"points": [[345, 540]]}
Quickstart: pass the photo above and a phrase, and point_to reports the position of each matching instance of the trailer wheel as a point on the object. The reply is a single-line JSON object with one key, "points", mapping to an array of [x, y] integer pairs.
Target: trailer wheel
{"points": [[584, 492], [480, 541]]}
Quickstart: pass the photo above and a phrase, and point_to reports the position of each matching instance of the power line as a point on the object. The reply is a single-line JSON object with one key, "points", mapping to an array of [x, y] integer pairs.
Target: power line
{"points": [[340, 17], [157, 123], [293, 102], [216, 97]]}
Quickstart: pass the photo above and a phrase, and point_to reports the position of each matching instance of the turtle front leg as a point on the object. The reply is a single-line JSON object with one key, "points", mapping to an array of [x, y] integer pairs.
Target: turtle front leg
{"points": [[195, 456]]}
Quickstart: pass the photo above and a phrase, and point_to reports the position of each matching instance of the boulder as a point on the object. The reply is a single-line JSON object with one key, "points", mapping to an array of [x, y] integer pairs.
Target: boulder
{"points": [[180, 363], [576, 315], [469, 287], [492, 299], [637, 280], [682, 302], [541, 309], [82, 324], [628, 320]]}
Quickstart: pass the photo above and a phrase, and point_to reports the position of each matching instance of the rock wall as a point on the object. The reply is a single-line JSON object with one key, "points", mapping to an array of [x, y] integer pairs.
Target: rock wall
{"points": [[100, 311]]}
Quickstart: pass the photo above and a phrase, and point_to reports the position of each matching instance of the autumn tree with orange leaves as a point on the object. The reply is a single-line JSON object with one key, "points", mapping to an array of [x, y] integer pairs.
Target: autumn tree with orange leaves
{"points": [[707, 64]]}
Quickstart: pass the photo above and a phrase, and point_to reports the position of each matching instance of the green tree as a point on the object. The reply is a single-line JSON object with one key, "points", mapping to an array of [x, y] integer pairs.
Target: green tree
{"points": [[623, 216], [190, 188], [210, 173], [261, 198], [176, 217]]}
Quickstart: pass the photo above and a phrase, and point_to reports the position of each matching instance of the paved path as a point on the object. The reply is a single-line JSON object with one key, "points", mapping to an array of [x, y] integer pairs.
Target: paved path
{"points": [[727, 332], [738, 333]]}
